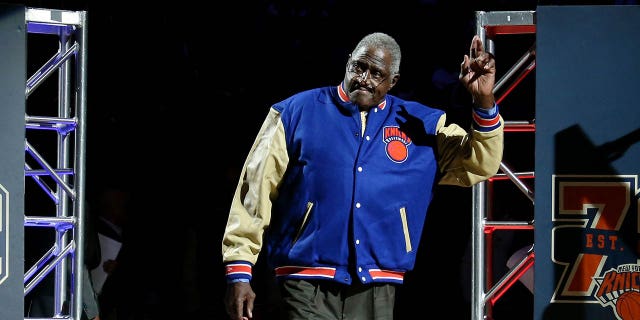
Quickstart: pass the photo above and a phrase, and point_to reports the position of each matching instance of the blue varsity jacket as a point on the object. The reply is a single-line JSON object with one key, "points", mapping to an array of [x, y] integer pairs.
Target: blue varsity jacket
{"points": [[330, 192]]}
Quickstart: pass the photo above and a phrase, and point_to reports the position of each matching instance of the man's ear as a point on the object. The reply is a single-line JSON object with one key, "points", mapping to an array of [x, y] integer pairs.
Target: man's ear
{"points": [[394, 80]]}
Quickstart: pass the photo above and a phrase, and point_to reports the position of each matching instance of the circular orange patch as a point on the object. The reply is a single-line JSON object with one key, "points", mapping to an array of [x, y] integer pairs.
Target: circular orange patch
{"points": [[397, 150]]}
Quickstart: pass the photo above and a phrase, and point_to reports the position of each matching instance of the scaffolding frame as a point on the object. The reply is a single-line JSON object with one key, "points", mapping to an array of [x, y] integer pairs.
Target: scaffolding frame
{"points": [[484, 291], [61, 176]]}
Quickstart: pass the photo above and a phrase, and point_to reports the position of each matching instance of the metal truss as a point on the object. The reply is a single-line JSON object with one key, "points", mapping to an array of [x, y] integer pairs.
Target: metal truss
{"points": [[485, 291], [55, 153]]}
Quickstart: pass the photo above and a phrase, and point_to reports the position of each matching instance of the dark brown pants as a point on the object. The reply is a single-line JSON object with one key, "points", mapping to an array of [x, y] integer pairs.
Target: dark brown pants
{"points": [[326, 300]]}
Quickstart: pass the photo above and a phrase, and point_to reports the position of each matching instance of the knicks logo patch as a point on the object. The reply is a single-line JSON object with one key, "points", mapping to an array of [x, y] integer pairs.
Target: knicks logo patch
{"points": [[396, 144]]}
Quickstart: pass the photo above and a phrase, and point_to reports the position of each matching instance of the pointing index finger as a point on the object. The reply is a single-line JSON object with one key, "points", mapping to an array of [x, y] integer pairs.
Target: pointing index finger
{"points": [[477, 48]]}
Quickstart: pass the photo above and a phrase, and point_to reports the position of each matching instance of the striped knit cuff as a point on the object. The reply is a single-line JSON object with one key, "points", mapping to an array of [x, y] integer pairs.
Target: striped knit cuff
{"points": [[238, 271], [485, 120]]}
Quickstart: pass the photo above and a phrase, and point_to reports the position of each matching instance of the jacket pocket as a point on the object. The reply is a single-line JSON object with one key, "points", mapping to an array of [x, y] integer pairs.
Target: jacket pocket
{"points": [[305, 221], [405, 229]]}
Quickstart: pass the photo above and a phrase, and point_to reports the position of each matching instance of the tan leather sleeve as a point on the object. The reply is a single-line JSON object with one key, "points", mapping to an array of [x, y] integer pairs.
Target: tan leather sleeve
{"points": [[468, 157], [261, 174]]}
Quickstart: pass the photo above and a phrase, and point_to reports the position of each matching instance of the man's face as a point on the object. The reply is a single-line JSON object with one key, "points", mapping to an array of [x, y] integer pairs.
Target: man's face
{"points": [[368, 76]]}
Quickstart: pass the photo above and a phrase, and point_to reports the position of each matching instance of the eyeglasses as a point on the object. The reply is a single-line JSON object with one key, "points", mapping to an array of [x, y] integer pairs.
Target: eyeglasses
{"points": [[362, 70]]}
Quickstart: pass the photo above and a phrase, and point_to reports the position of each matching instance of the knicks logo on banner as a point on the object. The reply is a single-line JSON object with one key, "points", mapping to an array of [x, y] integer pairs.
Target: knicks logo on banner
{"points": [[595, 242]]}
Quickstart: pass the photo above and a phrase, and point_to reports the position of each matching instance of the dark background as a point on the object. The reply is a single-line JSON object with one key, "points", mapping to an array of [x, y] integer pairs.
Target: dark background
{"points": [[176, 95]]}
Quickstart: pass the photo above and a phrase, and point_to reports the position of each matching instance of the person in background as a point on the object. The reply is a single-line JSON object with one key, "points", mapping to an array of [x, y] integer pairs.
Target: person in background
{"points": [[336, 186], [112, 205]]}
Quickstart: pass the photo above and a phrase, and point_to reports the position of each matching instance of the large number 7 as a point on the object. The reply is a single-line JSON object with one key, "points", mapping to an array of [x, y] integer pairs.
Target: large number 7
{"points": [[611, 202]]}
